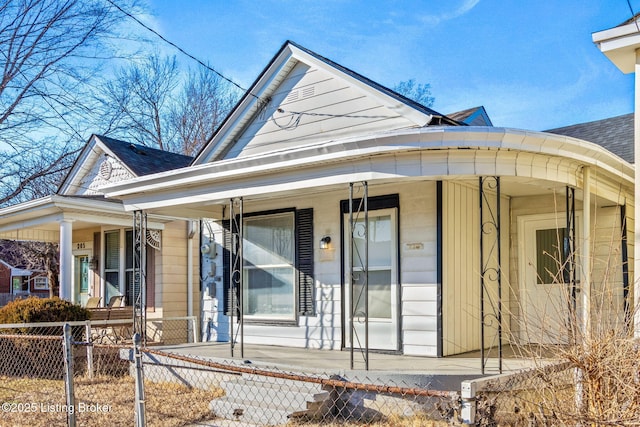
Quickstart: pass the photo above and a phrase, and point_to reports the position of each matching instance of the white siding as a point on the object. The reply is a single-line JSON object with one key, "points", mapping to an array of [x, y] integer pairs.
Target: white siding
{"points": [[417, 242], [418, 252], [331, 109]]}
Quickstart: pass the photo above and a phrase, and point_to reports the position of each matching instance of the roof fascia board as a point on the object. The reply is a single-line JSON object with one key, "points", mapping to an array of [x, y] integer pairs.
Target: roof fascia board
{"points": [[419, 118], [78, 164], [440, 165], [619, 44], [32, 222], [27, 206], [415, 139], [247, 107]]}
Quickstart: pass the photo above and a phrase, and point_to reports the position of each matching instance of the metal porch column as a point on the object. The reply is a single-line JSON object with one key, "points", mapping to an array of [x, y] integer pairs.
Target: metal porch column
{"points": [[628, 315], [236, 273], [569, 260], [491, 270], [359, 269], [139, 285]]}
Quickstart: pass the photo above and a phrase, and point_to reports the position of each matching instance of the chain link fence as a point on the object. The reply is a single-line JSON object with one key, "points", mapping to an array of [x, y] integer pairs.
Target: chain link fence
{"points": [[115, 382], [268, 396], [521, 398]]}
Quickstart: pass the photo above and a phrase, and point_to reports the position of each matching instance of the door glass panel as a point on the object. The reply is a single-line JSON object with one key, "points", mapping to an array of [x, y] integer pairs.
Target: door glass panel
{"points": [[379, 242], [549, 255], [379, 294], [82, 267], [380, 260]]}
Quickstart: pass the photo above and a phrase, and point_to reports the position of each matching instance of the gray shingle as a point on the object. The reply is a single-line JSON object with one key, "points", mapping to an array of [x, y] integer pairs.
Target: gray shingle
{"points": [[615, 134], [145, 160]]}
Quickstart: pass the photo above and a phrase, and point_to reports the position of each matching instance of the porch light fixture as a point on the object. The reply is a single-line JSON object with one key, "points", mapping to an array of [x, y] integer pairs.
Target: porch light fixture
{"points": [[324, 242]]}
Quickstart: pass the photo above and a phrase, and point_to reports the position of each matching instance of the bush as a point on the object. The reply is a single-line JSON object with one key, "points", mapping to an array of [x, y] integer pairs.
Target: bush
{"points": [[31, 355], [34, 310]]}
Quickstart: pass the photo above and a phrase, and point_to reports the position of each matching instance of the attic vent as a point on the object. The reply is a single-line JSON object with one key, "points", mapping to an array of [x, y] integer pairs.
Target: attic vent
{"points": [[308, 91], [106, 169], [293, 96]]}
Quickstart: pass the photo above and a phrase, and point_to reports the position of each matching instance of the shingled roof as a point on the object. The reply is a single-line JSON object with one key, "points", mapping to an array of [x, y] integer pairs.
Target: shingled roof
{"points": [[615, 134], [144, 160]]}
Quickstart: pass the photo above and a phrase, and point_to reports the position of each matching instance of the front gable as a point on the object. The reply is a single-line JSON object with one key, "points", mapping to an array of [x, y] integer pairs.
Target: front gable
{"points": [[105, 161], [95, 167], [303, 99]]}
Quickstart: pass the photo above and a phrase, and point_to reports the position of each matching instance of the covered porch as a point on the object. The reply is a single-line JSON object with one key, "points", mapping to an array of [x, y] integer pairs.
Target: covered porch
{"points": [[77, 225], [458, 208]]}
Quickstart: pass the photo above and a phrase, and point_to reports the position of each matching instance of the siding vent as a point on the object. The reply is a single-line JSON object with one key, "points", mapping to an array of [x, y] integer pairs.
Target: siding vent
{"points": [[293, 96], [308, 91]]}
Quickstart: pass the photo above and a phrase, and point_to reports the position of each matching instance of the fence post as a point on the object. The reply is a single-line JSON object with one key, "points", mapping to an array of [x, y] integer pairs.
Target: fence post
{"points": [[194, 324], [68, 375], [139, 406], [468, 395], [87, 332]]}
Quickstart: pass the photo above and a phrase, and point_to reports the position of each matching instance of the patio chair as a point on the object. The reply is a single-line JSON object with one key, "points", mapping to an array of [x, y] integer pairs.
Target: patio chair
{"points": [[115, 301], [93, 302]]}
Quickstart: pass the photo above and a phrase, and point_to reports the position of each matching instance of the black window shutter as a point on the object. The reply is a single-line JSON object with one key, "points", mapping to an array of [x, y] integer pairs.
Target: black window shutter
{"points": [[304, 262], [225, 302]]}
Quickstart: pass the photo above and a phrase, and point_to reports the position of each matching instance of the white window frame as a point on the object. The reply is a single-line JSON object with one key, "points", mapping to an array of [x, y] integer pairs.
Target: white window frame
{"points": [[37, 283]]}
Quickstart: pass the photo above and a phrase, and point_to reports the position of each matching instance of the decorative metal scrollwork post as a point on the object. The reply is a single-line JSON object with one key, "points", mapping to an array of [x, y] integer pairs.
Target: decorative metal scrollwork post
{"points": [[236, 269], [138, 289], [569, 270], [491, 274], [359, 272]]}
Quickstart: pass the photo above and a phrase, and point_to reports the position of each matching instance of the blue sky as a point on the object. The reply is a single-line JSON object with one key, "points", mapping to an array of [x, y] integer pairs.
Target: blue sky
{"points": [[532, 64]]}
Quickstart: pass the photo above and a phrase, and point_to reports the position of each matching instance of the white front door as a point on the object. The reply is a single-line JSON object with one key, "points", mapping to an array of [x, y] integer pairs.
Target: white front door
{"points": [[383, 306], [546, 300]]}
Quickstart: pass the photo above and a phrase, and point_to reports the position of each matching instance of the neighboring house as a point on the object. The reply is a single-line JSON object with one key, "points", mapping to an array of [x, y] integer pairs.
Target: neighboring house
{"points": [[18, 281], [21, 272], [96, 235], [472, 117], [474, 234]]}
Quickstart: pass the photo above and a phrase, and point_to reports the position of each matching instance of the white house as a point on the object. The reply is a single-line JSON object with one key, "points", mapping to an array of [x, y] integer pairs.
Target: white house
{"points": [[344, 215]]}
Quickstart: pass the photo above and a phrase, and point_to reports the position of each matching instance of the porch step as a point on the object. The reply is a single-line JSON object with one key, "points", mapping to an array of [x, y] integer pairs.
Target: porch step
{"points": [[267, 401]]}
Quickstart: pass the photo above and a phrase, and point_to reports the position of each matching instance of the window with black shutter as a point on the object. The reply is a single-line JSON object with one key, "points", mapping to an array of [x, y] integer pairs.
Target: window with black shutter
{"points": [[278, 282]]}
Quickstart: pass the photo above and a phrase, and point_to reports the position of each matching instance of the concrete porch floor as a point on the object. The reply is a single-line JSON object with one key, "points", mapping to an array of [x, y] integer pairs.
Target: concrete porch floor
{"points": [[444, 372]]}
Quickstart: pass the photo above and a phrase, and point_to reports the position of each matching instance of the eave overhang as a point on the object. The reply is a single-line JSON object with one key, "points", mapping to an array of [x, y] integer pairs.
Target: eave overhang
{"points": [[55, 208], [407, 154], [619, 44]]}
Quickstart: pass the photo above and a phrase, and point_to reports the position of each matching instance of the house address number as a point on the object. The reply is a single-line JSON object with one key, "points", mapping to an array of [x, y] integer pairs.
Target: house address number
{"points": [[83, 245]]}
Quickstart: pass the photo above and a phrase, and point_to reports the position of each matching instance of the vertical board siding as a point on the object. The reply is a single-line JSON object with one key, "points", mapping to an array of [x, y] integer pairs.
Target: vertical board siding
{"points": [[172, 269], [461, 269], [606, 278]]}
